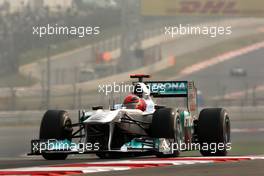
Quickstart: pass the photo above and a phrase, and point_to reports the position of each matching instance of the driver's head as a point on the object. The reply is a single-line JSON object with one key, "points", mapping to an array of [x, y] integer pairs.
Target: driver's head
{"points": [[134, 102]]}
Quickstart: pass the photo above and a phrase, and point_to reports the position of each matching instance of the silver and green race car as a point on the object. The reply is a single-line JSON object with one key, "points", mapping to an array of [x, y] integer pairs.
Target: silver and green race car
{"points": [[124, 131]]}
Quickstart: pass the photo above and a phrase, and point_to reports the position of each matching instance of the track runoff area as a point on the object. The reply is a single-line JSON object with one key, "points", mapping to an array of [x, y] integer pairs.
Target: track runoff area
{"points": [[121, 165]]}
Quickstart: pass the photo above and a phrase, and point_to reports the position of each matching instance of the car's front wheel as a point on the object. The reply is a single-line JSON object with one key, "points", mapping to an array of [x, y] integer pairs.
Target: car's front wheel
{"points": [[166, 124], [55, 124]]}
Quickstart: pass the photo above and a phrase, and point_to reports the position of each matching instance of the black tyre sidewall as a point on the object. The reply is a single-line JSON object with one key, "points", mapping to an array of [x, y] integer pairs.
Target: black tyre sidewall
{"points": [[164, 125], [55, 124], [212, 129]]}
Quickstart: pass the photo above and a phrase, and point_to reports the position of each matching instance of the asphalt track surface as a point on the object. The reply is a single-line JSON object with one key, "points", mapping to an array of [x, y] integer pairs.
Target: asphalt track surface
{"points": [[15, 140], [216, 80], [242, 168]]}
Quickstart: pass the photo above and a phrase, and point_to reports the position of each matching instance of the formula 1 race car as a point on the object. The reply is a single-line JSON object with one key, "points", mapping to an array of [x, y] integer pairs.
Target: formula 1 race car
{"points": [[137, 126]]}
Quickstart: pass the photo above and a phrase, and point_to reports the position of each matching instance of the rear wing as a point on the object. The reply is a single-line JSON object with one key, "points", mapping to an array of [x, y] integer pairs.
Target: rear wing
{"points": [[168, 88], [175, 89]]}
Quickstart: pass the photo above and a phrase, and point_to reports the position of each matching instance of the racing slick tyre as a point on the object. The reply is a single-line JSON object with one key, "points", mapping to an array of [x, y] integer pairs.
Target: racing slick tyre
{"points": [[166, 124], [214, 132], [55, 124]]}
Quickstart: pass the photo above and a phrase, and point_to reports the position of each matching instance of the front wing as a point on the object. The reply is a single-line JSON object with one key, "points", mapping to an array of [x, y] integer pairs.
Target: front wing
{"points": [[148, 146]]}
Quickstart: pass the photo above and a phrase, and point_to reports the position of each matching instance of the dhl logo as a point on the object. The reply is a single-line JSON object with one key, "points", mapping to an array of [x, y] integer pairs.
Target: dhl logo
{"points": [[207, 7], [202, 7]]}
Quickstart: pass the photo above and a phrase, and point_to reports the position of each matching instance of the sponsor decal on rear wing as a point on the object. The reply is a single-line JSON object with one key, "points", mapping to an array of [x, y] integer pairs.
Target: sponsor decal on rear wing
{"points": [[185, 89], [168, 88]]}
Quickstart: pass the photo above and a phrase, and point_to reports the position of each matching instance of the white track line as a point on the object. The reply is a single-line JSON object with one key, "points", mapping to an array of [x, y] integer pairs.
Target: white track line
{"points": [[247, 130], [219, 59], [49, 169]]}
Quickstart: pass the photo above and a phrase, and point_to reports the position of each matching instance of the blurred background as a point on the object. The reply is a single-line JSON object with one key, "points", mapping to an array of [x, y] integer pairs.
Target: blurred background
{"points": [[64, 71]]}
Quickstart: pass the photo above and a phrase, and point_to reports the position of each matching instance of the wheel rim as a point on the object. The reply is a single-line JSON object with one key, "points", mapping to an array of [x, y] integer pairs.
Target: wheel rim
{"points": [[68, 125]]}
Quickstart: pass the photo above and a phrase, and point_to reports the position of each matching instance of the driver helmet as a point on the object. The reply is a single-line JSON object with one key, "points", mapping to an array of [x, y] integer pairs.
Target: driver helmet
{"points": [[134, 102]]}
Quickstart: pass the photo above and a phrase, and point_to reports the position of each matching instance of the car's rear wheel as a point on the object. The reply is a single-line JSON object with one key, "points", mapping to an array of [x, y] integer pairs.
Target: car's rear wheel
{"points": [[214, 132], [166, 124], [55, 124]]}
